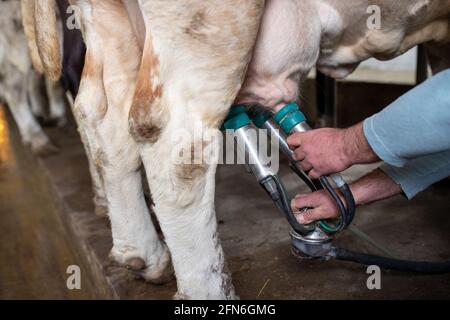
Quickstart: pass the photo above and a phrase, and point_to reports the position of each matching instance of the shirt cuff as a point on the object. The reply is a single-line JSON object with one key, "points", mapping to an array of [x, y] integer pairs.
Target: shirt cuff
{"points": [[420, 173], [377, 144], [402, 179]]}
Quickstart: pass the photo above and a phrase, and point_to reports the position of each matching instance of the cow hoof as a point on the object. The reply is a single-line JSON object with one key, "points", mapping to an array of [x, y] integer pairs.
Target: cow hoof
{"points": [[101, 211], [161, 273], [135, 264], [43, 149], [120, 258], [180, 296], [61, 122]]}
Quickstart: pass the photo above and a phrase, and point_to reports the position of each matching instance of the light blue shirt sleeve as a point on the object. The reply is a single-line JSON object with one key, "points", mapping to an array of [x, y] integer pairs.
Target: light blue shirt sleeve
{"points": [[420, 173], [412, 135]]}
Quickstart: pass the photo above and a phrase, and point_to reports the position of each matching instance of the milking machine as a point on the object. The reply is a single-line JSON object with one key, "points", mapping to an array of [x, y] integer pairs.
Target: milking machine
{"points": [[313, 241]]}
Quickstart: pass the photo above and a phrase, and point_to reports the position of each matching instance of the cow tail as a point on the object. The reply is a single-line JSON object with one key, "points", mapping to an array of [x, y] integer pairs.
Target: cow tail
{"points": [[30, 34], [47, 38]]}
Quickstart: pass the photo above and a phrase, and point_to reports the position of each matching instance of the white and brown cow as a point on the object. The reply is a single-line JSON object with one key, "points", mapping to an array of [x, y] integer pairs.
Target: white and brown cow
{"points": [[155, 68]]}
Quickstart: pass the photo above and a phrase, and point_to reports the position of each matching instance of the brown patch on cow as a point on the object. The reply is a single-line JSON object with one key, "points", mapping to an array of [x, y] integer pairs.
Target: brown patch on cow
{"points": [[145, 133], [143, 125], [99, 163], [190, 177], [190, 173], [92, 91], [196, 26], [91, 69]]}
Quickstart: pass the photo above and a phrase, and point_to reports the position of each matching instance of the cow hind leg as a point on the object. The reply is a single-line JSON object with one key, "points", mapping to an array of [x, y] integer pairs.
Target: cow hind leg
{"points": [[178, 99], [91, 94], [135, 241], [101, 109], [115, 166]]}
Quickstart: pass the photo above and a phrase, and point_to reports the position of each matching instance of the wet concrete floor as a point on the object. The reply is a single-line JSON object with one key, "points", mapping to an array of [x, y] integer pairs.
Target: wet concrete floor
{"points": [[35, 246], [255, 236]]}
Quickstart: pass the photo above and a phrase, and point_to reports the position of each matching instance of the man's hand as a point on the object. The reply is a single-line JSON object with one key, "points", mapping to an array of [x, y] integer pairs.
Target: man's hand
{"points": [[321, 207], [325, 151], [370, 188]]}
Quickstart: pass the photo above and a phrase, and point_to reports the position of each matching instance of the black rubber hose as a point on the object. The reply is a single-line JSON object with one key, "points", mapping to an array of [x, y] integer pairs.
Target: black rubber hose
{"points": [[342, 209], [394, 264], [285, 206], [347, 212], [304, 177], [351, 205]]}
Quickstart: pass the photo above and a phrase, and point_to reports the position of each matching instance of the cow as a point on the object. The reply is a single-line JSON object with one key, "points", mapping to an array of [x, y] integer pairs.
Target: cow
{"points": [[157, 72], [21, 86], [336, 36]]}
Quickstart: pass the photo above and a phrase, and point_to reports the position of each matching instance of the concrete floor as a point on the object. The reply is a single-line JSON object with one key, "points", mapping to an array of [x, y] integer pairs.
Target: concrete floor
{"points": [[253, 233], [256, 238], [35, 245]]}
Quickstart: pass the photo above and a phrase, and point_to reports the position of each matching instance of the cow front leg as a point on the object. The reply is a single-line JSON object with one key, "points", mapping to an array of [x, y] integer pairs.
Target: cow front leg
{"points": [[115, 163]]}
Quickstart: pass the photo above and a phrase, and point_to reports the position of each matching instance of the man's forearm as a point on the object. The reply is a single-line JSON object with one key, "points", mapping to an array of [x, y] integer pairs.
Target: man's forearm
{"points": [[373, 187], [370, 188], [356, 147]]}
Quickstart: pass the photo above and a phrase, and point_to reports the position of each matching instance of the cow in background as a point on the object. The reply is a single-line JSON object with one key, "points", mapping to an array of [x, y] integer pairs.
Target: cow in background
{"points": [[22, 88]]}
